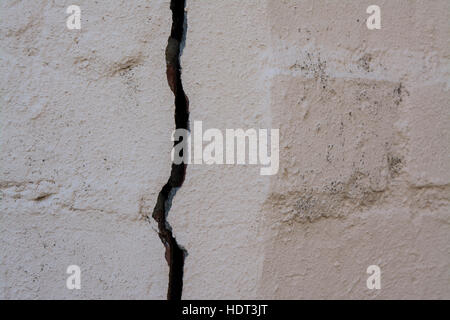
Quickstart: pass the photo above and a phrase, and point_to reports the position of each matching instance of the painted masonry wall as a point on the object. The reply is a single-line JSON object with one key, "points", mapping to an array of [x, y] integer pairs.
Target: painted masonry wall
{"points": [[364, 117]]}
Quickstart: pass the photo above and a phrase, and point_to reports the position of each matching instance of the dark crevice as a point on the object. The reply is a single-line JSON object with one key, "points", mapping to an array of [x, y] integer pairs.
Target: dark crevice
{"points": [[175, 254], [43, 197]]}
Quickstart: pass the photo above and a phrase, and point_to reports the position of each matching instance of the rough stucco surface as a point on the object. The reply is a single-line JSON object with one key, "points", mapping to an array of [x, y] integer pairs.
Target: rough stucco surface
{"points": [[364, 121], [85, 120], [364, 177]]}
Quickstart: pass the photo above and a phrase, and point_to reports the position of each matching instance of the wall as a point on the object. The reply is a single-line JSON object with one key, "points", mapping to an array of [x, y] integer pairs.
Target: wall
{"points": [[364, 177]]}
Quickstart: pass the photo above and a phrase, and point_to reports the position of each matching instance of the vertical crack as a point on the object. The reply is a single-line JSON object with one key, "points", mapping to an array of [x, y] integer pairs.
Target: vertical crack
{"points": [[175, 254]]}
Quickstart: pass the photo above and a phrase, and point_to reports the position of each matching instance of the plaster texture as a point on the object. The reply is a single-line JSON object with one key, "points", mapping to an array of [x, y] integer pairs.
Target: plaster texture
{"points": [[364, 178], [85, 120]]}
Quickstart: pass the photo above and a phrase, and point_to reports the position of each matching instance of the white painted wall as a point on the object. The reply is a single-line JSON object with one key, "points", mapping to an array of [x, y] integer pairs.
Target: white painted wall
{"points": [[364, 179]]}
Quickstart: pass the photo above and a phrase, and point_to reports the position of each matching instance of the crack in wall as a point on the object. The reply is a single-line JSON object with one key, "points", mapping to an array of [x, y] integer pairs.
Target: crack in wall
{"points": [[175, 254]]}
